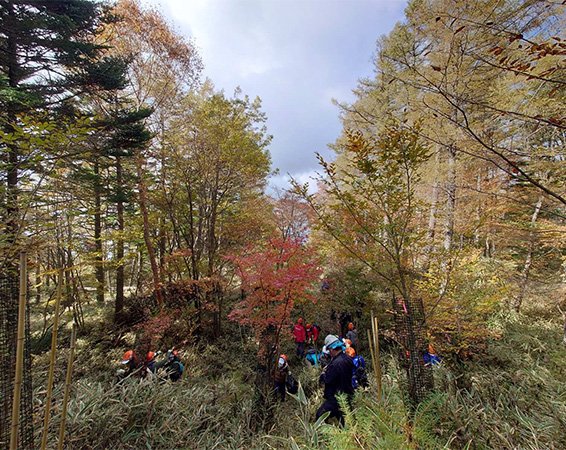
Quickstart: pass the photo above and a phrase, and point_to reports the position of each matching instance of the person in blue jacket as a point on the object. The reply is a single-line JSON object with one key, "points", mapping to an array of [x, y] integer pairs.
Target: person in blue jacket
{"points": [[359, 376], [430, 357]]}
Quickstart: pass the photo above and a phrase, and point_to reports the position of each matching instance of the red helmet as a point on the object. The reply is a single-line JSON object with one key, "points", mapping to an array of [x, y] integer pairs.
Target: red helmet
{"points": [[127, 357], [150, 356], [300, 320], [309, 325]]}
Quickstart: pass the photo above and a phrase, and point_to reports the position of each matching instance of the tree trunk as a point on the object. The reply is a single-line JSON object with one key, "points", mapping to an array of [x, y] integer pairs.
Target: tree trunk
{"points": [[13, 157], [528, 260], [139, 274], [212, 246], [432, 215], [162, 241], [450, 199], [450, 188], [146, 234], [98, 259], [38, 280], [119, 303], [478, 211], [194, 266]]}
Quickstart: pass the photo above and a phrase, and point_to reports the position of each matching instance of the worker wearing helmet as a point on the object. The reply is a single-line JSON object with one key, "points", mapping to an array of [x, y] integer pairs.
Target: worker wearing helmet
{"points": [[352, 334], [149, 363], [172, 365], [130, 363], [359, 376], [300, 334], [280, 376], [308, 328], [337, 377], [312, 333]]}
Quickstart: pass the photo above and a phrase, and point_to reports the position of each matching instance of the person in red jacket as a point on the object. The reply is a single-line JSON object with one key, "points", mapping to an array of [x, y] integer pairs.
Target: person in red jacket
{"points": [[312, 333], [300, 334], [315, 332]]}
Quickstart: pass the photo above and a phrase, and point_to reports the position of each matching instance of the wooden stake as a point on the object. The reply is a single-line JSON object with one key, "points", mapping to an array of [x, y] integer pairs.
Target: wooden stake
{"points": [[52, 358], [370, 342], [67, 388], [19, 352], [377, 358], [373, 331], [373, 341]]}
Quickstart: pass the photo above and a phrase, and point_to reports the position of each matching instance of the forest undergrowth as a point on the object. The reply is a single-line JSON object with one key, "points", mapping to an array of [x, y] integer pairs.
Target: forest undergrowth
{"points": [[512, 396]]}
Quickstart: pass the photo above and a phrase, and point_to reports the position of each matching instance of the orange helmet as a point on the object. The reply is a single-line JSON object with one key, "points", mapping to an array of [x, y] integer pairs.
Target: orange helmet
{"points": [[127, 357], [300, 320], [150, 356], [282, 355], [350, 352], [348, 343], [309, 325], [350, 326]]}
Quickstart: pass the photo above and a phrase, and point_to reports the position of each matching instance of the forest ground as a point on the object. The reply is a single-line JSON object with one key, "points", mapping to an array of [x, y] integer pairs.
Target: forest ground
{"points": [[512, 396]]}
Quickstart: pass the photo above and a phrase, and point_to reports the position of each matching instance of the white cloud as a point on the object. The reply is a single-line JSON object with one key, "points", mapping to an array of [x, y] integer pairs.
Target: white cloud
{"points": [[297, 55], [283, 181]]}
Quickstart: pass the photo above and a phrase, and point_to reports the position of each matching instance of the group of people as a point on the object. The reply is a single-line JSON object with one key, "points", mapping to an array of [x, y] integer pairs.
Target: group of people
{"points": [[170, 367], [343, 370], [304, 335]]}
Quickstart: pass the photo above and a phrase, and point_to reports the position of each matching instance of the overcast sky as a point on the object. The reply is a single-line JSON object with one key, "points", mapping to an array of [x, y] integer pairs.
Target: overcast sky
{"points": [[297, 55]]}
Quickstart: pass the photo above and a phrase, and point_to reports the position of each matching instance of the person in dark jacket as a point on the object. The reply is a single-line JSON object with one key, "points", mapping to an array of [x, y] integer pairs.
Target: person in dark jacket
{"points": [[172, 365], [280, 376], [337, 378], [131, 364], [352, 334]]}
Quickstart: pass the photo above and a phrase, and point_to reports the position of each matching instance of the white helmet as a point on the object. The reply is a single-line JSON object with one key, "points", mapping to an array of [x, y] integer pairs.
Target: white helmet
{"points": [[331, 341]]}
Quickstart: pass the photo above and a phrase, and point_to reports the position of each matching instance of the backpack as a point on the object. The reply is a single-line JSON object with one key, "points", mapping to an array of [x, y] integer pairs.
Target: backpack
{"points": [[291, 384], [313, 357], [176, 370], [359, 377]]}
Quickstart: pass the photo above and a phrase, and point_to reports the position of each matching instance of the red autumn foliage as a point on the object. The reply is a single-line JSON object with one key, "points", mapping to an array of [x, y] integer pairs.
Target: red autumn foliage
{"points": [[273, 278]]}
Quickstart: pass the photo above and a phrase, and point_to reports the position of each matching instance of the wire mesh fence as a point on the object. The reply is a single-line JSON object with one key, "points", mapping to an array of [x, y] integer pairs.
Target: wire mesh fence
{"points": [[410, 328], [9, 294]]}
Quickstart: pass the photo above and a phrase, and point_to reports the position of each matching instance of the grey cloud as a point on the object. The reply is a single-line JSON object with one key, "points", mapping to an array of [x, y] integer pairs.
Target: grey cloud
{"points": [[295, 55]]}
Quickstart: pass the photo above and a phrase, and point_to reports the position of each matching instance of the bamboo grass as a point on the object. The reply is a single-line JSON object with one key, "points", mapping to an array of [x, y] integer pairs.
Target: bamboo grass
{"points": [[19, 353]]}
